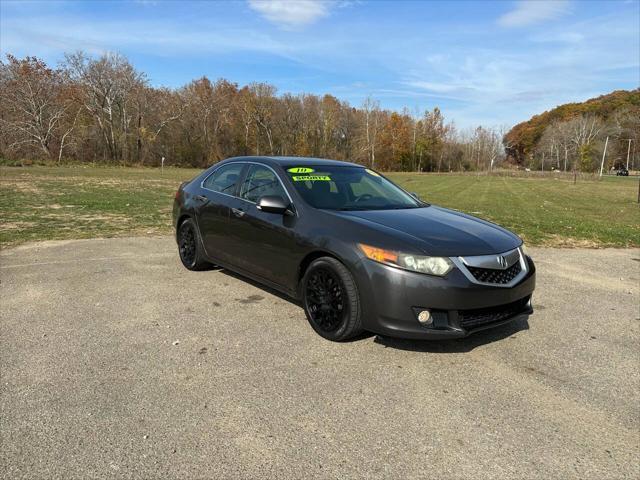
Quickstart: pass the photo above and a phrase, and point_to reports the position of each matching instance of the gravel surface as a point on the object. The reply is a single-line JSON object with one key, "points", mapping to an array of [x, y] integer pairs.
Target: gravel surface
{"points": [[116, 362]]}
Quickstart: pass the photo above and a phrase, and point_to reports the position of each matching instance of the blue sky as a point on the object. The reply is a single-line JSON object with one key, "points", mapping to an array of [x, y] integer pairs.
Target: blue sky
{"points": [[492, 63]]}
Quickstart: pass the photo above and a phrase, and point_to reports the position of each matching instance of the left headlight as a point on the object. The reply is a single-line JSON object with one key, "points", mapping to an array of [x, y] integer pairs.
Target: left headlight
{"points": [[439, 266], [524, 250]]}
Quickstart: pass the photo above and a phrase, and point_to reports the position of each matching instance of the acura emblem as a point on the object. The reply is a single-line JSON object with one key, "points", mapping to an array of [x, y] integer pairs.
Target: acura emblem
{"points": [[502, 261]]}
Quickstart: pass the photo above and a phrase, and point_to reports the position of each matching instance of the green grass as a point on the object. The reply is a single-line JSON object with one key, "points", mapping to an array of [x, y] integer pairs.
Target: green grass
{"points": [[543, 211], [45, 203], [42, 203]]}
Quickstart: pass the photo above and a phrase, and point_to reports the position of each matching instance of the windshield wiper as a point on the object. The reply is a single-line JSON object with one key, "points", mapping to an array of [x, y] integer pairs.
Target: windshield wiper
{"points": [[379, 207]]}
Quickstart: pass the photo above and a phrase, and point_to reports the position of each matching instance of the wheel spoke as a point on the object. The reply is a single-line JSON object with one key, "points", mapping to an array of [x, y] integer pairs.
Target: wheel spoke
{"points": [[324, 299], [186, 244]]}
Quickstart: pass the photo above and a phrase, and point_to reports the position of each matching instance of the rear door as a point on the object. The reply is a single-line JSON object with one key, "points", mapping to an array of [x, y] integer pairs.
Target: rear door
{"points": [[219, 189]]}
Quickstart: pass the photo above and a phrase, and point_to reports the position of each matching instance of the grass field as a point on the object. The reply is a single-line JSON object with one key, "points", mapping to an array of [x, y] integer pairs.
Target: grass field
{"points": [[42, 203], [548, 211]]}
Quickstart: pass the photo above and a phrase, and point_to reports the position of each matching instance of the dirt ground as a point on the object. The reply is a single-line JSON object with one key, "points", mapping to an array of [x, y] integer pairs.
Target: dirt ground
{"points": [[116, 362]]}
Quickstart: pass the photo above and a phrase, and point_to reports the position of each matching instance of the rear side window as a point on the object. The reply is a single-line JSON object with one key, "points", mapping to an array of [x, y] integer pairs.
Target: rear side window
{"points": [[261, 181], [224, 179]]}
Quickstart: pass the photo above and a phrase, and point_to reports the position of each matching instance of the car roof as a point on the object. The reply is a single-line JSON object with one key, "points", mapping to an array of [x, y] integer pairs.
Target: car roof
{"points": [[294, 161]]}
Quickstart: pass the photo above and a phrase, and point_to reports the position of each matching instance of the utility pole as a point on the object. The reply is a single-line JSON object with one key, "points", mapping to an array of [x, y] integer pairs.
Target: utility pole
{"points": [[603, 155], [628, 152]]}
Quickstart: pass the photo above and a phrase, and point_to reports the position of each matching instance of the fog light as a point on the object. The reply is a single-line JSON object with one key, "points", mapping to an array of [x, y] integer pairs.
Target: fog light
{"points": [[424, 317]]}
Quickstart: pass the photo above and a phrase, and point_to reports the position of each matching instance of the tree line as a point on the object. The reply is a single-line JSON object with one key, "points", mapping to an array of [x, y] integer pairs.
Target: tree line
{"points": [[102, 110], [573, 137]]}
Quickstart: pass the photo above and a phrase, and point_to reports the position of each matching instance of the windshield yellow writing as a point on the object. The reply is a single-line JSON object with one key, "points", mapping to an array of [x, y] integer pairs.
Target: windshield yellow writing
{"points": [[311, 178]]}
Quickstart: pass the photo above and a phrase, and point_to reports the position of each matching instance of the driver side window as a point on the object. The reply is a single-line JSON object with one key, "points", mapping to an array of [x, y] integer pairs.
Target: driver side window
{"points": [[259, 182]]}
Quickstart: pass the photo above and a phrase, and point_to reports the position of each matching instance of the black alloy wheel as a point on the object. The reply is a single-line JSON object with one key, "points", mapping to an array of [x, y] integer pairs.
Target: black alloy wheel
{"points": [[330, 299], [190, 249], [325, 299]]}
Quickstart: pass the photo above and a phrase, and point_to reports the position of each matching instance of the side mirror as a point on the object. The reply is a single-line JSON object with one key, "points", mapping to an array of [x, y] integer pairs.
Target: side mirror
{"points": [[274, 204], [415, 195]]}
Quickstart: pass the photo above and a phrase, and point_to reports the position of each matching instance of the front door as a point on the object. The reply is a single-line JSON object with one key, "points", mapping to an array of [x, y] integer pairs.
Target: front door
{"points": [[265, 241]]}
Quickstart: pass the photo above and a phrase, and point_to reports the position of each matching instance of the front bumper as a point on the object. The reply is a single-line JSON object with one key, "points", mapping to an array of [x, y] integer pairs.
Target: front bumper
{"points": [[392, 298]]}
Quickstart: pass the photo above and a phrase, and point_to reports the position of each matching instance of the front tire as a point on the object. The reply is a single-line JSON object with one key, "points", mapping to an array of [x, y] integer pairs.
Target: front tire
{"points": [[331, 301], [190, 247]]}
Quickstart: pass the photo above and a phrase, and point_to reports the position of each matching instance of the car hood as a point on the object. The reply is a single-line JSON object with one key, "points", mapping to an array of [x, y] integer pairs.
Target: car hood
{"points": [[440, 231]]}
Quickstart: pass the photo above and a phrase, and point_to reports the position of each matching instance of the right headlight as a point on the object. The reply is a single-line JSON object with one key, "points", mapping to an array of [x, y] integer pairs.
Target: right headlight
{"points": [[439, 266]]}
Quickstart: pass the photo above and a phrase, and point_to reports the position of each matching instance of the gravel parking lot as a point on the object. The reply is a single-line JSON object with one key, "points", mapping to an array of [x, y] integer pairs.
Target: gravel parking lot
{"points": [[116, 362]]}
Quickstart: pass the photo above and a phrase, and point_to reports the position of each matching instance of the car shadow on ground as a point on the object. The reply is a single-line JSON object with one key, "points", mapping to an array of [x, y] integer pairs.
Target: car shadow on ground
{"points": [[461, 345], [265, 288]]}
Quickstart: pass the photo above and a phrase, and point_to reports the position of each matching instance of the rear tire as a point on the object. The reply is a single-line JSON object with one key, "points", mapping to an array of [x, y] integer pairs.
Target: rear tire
{"points": [[190, 247], [331, 301]]}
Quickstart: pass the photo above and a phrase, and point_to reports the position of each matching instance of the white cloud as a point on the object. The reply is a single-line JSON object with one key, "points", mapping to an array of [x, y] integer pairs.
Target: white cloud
{"points": [[527, 12], [437, 87], [561, 63], [49, 37], [559, 37], [291, 13]]}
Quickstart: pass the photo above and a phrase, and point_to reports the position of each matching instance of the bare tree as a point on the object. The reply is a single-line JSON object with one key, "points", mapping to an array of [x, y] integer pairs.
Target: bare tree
{"points": [[485, 147], [584, 130], [33, 98], [108, 84], [626, 129], [263, 110], [563, 133], [371, 113]]}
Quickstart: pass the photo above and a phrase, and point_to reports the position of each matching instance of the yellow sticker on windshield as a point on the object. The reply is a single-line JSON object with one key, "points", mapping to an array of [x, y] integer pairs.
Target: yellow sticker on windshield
{"points": [[311, 178], [300, 170], [371, 172]]}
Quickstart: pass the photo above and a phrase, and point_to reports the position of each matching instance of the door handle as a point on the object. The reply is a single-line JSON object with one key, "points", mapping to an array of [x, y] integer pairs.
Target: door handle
{"points": [[201, 198], [237, 212]]}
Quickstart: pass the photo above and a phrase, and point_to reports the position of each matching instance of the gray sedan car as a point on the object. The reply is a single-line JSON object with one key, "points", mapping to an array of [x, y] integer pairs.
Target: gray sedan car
{"points": [[358, 252]]}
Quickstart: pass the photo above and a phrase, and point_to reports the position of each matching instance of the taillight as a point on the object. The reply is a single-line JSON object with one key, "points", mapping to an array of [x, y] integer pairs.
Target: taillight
{"points": [[177, 196]]}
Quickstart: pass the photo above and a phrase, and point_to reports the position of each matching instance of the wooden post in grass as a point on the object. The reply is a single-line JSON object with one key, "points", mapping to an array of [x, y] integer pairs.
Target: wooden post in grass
{"points": [[628, 152], [162, 166], [603, 155]]}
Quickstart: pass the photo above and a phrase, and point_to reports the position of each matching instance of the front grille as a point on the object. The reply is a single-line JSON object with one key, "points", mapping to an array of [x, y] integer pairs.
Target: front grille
{"points": [[482, 316], [490, 275]]}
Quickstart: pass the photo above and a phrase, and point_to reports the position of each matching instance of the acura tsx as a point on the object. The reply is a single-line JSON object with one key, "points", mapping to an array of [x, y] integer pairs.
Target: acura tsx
{"points": [[357, 251]]}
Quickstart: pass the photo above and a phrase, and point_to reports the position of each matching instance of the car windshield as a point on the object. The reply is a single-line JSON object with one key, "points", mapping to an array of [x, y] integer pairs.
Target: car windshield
{"points": [[348, 188]]}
